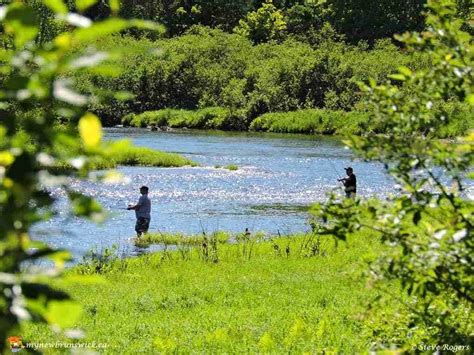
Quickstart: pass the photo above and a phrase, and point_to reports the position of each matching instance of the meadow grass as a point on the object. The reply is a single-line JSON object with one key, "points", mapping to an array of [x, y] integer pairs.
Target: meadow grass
{"points": [[276, 295]]}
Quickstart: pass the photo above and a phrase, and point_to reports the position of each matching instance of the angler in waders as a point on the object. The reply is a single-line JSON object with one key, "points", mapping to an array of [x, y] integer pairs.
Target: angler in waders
{"points": [[350, 183], [142, 211]]}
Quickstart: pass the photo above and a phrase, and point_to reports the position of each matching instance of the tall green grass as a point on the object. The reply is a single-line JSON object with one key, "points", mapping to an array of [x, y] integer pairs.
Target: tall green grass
{"points": [[283, 295], [316, 121], [311, 122], [124, 153]]}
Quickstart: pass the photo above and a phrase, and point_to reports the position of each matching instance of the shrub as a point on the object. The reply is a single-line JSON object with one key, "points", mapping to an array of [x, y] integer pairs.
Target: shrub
{"points": [[210, 68], [428, 225]]}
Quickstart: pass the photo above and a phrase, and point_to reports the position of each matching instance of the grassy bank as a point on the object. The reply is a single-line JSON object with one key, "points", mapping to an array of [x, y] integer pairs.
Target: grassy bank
{"points": [[303, 121], [310, 121], [124, 153], [208, 118], [283, 295]]}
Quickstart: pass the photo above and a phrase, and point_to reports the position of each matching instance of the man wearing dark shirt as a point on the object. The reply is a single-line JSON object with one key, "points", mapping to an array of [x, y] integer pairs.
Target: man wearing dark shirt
{"points": [[350, 183]]}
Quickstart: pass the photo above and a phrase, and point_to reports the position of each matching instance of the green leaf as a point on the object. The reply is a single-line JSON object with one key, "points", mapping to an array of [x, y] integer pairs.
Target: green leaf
{"points": [[56, 6], [90, 130], [470, 99], [100, 29], [111, 26], [63, 313], [405, 71], [147, 25], [84, 206], [22, 23], [399, 77], [82, 5], [114, 5]]}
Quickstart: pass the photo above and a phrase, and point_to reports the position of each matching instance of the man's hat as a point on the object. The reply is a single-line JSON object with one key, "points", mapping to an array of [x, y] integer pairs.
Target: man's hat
{"points": [[348, 168]]}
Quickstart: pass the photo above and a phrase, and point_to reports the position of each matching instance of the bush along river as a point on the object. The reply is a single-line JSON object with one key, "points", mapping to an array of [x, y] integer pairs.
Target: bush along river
{"points": [[277, 179]]}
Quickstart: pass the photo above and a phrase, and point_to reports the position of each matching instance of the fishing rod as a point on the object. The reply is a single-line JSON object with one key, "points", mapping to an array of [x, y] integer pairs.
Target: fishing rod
{"points": [[335, 170]]}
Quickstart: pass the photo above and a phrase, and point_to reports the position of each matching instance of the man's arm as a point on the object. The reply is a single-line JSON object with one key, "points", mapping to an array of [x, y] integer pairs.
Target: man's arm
{"points": [[135, 207]]}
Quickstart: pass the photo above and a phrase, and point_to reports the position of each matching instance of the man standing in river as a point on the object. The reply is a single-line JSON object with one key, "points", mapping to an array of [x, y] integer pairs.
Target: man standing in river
{"points": [[350, 183], [142, 212]]}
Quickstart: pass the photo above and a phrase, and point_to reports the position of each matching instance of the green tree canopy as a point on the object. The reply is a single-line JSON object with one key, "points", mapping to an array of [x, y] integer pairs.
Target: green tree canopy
{"points": [[265, 24]]}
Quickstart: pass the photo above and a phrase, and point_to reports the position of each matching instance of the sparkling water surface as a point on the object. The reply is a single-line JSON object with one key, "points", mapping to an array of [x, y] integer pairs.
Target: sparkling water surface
{"points": [[278, 176]]}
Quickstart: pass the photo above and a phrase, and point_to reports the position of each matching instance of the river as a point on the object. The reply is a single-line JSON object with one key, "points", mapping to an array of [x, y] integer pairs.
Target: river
{"points": [[278, 177]]}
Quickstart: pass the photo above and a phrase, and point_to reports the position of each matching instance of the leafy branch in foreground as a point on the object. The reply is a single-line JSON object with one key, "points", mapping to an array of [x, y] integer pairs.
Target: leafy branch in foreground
{"points": [[35, 79], [428, 225]]}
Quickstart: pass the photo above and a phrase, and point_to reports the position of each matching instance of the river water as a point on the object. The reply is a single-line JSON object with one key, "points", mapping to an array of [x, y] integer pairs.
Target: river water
{"points": [[278, 177]]}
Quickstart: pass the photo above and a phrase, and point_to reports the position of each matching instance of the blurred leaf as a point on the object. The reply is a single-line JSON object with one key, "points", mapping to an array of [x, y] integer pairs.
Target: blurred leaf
{"points": [[63, 313], [405, 71], [124, 95], [88, 60], [470, 99], [82, 5], [22, 23], [77, 20], [6, 158], [114, 6], [100, 29], [60, 257], [63, 92], [90, 130], [63, 40], [56, 6], [85, 206], [41, 291], [399, 77]]}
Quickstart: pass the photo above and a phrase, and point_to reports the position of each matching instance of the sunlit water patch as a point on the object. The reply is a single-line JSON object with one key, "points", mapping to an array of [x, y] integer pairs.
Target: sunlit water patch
{"points": [[278, 177]]}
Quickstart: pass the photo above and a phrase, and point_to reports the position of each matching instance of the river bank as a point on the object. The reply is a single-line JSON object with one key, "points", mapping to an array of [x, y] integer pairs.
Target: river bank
{"points": [[310, 121], [296, 293]]}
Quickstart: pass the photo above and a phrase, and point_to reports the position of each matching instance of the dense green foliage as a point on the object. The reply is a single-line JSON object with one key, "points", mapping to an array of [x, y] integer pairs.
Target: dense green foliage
{"points": [[208, 68], [34, 93], [355, 19], [309, 54], [290, 294], [264, 25], [429, 223]]}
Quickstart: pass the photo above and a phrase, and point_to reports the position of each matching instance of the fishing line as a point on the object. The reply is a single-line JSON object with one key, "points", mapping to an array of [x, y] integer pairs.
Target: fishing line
{"points": [[334, 168]]}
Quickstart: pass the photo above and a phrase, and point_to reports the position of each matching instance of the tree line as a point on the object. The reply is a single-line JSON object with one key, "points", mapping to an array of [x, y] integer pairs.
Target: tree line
{"points": [[355, 20]]}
